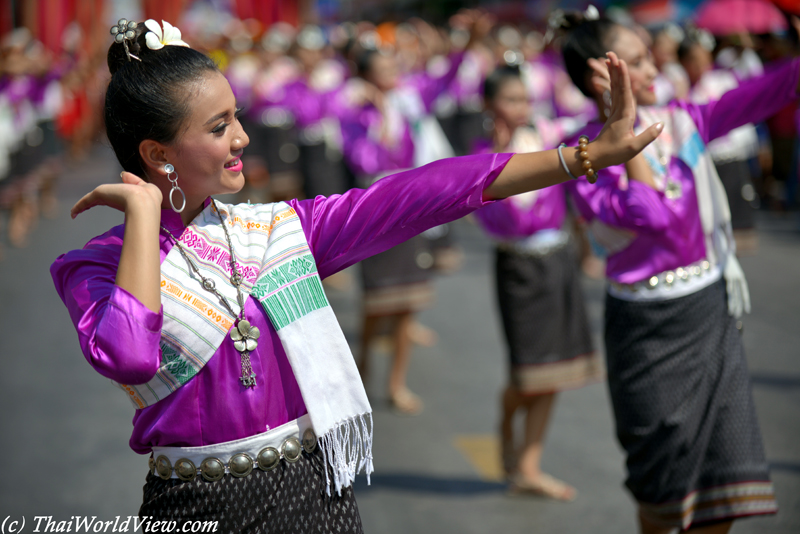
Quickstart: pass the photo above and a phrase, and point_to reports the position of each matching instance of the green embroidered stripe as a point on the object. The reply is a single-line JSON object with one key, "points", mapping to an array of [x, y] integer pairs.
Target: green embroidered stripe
{"points": [[293, 302], [283, 274], [177, 367]]}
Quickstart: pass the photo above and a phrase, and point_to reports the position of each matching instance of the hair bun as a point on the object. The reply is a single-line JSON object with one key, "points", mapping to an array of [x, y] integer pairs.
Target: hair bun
{"points": [[118, 58]]}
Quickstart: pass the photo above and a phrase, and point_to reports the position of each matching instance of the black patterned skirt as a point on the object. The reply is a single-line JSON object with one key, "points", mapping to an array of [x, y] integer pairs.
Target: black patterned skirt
{"points": [[544, 321], [292, 498], [398, 280], [684, 410]]}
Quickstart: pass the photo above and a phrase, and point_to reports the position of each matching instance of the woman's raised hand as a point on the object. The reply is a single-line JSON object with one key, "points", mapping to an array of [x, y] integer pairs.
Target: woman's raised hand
{"points": [[616, 143], [132, 192]]}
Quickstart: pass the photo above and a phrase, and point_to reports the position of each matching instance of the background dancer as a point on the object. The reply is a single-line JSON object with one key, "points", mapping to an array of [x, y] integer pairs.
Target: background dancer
{"points": [[400, 134], [538, 289], [675, 360]]}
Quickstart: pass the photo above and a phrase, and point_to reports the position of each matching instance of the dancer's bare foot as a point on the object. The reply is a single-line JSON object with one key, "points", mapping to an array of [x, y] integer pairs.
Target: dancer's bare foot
{"points": [[422, 335], [405, 402], [542, 486]]}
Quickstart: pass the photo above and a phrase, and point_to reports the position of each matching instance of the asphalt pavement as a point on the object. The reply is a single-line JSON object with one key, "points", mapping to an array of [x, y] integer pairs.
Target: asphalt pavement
{"points": [[65, 428]]}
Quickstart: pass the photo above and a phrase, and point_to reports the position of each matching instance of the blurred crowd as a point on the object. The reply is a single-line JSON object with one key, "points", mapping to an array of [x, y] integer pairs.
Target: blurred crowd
{"points": [[305, 92]]}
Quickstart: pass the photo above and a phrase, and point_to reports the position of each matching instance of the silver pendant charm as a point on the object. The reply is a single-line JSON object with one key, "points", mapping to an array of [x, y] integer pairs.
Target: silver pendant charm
{"points": [[249, 381], [673, 190], [245, 336]]}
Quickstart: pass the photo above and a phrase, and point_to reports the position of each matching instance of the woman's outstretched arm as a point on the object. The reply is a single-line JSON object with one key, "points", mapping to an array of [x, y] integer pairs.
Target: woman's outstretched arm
{"points": [[344, 229]]}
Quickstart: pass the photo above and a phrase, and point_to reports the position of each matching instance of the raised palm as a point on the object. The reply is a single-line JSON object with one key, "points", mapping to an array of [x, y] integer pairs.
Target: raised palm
{"points": [[617, 142]]}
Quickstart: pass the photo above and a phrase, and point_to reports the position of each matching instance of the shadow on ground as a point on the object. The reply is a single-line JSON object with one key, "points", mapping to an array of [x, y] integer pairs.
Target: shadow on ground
{"points": [[427, 484]]}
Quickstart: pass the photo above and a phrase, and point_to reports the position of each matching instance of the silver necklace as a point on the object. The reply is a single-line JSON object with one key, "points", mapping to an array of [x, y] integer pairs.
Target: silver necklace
{"points": [[244, 335]]}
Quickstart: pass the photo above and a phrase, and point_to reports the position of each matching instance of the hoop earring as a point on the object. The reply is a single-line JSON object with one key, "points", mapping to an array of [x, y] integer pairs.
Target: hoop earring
{"points": [[169, 169]]}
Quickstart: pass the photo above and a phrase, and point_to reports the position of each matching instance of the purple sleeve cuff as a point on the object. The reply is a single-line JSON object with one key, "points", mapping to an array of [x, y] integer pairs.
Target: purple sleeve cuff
{"points": [[127, 340], [128, 304]]}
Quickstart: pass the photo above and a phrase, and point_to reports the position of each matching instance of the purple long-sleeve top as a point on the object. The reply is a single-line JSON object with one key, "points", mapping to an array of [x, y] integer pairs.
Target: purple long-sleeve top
{"points": [[430, 86], [667, 233], [310, 106], [120, 337], [365, 152], [510, 219]]}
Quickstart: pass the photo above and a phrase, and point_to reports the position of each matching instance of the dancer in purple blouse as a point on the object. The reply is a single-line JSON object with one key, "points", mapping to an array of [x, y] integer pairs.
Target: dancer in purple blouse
{"points": [[675, 360], [225, 420], [537, 281], [400, 134]]}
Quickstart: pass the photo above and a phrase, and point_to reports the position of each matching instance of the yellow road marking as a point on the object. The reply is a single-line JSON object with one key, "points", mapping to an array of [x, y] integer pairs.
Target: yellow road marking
{"points": [[482, 451]]}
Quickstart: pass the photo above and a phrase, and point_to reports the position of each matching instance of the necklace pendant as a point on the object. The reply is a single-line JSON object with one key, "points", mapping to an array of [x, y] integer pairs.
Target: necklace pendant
{"points": [[673, 190], [245, 336], [249, 381]]}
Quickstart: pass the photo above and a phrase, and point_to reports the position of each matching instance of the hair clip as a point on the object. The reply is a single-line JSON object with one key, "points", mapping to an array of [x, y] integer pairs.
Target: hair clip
{"points": [[123, 32]]}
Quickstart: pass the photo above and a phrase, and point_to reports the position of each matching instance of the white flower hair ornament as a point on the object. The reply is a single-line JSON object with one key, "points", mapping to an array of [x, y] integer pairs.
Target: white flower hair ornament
{"points": [[157, 39]]}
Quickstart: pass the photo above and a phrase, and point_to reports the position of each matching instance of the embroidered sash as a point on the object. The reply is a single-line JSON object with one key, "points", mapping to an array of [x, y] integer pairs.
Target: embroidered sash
{"points": [[278, 270], [682, 140]]}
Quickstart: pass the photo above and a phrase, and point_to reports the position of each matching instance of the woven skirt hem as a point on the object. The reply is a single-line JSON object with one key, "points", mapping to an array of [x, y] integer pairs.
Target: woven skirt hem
{"points": [[713, 505], [539, 379]]}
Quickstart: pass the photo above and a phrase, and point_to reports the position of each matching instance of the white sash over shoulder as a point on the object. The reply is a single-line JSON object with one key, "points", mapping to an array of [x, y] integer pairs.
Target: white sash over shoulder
{"points": [[278, 270]]}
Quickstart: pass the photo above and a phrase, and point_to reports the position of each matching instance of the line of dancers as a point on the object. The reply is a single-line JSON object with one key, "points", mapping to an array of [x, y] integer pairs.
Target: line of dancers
{"points": [[662, 222], [322, 120]]}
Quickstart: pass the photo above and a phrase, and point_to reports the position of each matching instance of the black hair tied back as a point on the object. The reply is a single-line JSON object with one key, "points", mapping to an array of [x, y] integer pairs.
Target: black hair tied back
{"points": [[586, 35], [498, 78], [146, 97]]}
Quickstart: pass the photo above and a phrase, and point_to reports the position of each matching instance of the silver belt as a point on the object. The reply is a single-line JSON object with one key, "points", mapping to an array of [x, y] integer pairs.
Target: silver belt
{"points": [[535, 246], [669, 284], [238, 458]]}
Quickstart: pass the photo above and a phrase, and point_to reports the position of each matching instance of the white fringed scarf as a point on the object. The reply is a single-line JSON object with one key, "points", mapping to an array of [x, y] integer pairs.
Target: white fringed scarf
{"points": [[280, 272]]}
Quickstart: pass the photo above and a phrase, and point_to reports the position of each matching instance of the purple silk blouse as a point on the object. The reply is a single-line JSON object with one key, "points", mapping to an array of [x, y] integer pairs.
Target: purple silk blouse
{"points": [[119, 336], [366, 155], [668, 233], [506, 220]]}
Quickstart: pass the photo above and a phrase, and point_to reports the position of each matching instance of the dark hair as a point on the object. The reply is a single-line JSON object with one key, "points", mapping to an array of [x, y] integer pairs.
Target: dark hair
{"points": [[686, 46], [147, 99], [498, 78], [585, 39], [364, 61]]}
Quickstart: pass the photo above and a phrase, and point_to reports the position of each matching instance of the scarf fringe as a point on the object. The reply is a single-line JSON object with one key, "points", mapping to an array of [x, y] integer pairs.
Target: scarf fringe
{"points": [[347, 449]]}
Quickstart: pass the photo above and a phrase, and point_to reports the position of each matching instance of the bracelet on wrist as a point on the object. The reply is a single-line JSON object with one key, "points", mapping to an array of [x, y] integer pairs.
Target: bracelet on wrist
{"points": [[564, 162], [586, 165], [591, 174]]}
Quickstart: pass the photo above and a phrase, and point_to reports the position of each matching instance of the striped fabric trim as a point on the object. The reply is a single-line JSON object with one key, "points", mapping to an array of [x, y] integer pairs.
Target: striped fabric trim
{"points": [[269, 245], [714, 504], [566, 374]]}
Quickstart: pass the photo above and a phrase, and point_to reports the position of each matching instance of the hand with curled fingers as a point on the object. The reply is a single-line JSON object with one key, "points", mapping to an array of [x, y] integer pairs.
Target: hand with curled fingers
{"points": [[617, 143], [133, 192]]}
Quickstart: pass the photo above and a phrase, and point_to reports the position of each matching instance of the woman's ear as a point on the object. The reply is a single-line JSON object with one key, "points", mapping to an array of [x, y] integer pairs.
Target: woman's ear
{"points": [[154, 156]]}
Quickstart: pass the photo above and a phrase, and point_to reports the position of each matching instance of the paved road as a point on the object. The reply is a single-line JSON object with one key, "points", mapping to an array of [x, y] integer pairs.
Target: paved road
{"points": [[65, 429]]}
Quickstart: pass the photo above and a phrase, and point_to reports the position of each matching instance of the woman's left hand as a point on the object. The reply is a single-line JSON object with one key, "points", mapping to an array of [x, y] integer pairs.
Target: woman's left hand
{"points": [[617, 143]]}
